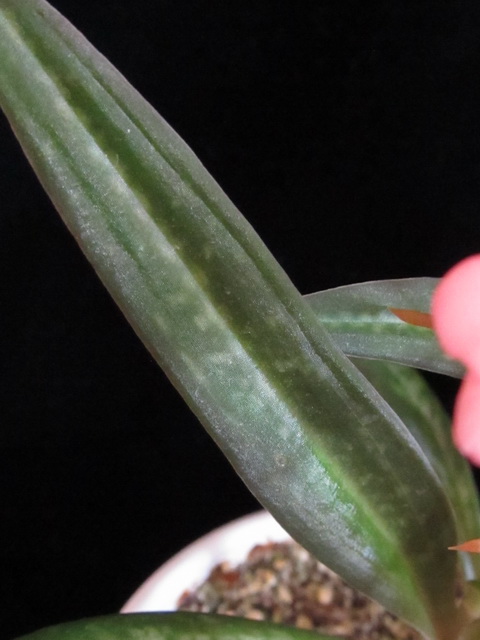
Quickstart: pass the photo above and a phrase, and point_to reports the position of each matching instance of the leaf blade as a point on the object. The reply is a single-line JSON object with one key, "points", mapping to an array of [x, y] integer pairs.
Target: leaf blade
{"points": [[409, 395], [171, 626], [359, 319], [294, 417]]}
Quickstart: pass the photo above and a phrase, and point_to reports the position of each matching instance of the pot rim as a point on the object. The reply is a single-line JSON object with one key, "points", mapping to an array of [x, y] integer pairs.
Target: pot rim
{"points": [[191, 566]]}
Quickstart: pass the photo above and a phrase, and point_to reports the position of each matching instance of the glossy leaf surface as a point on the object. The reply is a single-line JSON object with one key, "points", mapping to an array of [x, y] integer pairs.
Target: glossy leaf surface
{"points": [[309, 436], [171, 626], [359, 319]]}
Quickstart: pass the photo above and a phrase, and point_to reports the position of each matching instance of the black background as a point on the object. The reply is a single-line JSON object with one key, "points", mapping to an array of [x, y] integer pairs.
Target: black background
{"points": [[348, 134]]}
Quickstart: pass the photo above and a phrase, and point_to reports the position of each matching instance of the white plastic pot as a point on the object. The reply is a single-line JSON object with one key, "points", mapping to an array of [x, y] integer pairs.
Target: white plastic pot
{"points": [[190, 567]]}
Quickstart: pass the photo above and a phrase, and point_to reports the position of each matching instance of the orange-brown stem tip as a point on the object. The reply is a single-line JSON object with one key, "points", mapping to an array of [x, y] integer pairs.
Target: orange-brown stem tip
{"points": [[472, 546], [417, 318]]}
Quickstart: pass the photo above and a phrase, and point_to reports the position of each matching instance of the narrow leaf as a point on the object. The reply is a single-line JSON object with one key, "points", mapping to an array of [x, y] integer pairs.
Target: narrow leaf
{"points": [[172, 626], [307, 433], [388, 320]]}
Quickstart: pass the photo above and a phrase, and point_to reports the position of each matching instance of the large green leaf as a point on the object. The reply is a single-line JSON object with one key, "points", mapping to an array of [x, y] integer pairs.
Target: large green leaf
{"points": [[410, 396], [172, 626], [307, 433], [359, 319]]}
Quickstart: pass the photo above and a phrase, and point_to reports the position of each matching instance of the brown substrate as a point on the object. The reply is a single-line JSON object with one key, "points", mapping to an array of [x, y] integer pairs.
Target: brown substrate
{"points": [[283, 583]]}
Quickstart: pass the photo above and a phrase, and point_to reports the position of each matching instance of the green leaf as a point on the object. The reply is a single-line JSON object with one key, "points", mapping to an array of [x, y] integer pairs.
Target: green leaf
{"points": [[307, 433], [172, 626], [411, 398], [359, 319]]}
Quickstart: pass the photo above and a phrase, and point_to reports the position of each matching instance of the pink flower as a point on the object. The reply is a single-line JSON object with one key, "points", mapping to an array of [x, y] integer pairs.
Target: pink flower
{"points": [[456, 320]]}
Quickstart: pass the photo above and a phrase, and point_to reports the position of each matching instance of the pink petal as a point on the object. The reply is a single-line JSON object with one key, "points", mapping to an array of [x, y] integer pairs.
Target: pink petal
{"points": [[456, 312], [456, 320], [466, 418]]}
